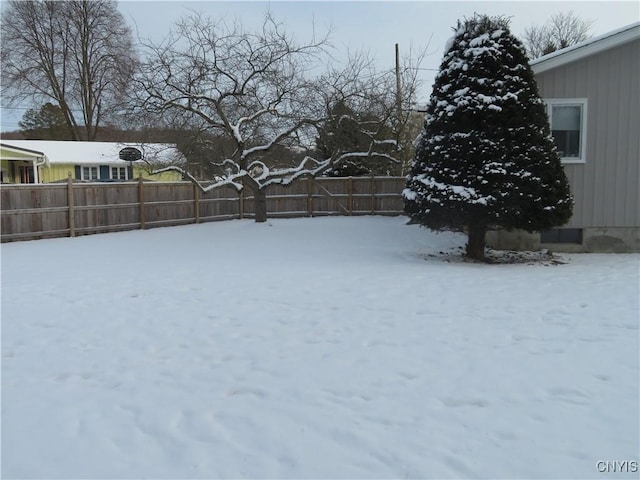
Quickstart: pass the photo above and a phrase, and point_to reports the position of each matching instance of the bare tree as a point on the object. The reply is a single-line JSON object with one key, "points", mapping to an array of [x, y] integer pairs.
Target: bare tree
{"points": [[262, 91], [77, 54], [560, 31]]}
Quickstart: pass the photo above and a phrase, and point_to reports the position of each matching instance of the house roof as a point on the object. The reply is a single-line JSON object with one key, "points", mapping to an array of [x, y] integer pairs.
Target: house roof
{"points": [[588, 47], [95, 153], [22, 150]]}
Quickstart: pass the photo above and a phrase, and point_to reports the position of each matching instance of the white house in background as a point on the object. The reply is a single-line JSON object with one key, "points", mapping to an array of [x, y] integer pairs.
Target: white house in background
{"points": [[592, 93], [43, 161]]}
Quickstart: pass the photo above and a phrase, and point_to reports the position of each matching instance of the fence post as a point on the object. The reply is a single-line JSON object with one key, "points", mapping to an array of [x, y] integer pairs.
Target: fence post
{"points": [[70, 202], [196, 203], [373, 194], [241, 203], [350, 192], [141, 202], [309, 196]]}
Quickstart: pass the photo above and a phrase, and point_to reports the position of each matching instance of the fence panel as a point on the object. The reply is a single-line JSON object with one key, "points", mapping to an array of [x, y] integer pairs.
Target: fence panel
{"points": [[54, 210], [288, 200], [168, 204], [104, 207], [218, 204], [330, 195], [29, 213], [387, 196]]}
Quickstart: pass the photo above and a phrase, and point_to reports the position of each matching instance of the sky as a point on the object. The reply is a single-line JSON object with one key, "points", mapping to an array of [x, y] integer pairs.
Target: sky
{"points": [[364, 25]]}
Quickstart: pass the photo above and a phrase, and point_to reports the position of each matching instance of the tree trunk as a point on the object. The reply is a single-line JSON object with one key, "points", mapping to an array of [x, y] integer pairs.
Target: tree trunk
{"points": [[260, 204], [475, 245]]}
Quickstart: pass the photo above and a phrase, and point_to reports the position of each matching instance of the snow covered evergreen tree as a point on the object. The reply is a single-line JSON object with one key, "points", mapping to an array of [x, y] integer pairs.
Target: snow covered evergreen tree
{"points": [[486, 158]]}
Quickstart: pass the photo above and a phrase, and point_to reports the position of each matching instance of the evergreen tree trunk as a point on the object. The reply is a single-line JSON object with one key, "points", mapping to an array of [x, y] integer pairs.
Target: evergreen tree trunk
{"points": [[260, 204], [476, 243]]}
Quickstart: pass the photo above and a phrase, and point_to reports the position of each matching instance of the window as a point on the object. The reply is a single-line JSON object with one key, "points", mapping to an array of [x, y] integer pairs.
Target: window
{"points": [[561, 235], [90, 173], [119, 173], [567, 118], [26, 174]]}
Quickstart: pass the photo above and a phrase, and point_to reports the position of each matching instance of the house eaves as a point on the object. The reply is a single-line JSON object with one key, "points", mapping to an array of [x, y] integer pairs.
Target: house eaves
{"points": [[587, 48], [21, 150], [39, 158]]}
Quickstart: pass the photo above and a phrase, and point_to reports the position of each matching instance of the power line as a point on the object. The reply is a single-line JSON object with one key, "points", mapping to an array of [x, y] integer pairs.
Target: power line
{"points": [[418, 68], [33, 108]]}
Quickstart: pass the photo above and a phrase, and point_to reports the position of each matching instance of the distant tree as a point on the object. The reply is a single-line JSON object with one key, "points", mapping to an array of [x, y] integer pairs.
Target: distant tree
{"points": [[410, 133], [486, 158], [77, 54], [560, 31], [344, 132], [46, 123]]}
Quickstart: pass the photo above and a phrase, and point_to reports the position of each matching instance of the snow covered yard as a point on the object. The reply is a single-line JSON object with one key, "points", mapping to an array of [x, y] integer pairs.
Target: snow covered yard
{"points": [[313, 348]]}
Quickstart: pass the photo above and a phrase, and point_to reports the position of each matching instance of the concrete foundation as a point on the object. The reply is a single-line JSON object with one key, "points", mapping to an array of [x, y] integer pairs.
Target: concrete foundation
{"points": [[612, 239], [594, 240], [513, 240]]}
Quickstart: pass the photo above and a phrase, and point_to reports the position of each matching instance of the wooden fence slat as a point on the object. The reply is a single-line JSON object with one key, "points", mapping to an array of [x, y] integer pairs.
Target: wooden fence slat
{"points": [[141, 202], [70, 202], [373, 194], [196, 203], [310, 197]]}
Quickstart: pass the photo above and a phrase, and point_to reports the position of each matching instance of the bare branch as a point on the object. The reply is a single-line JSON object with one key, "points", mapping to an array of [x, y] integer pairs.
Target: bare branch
{"points": [[261, 93], [560, 31], [78, 55], [230, 180]]}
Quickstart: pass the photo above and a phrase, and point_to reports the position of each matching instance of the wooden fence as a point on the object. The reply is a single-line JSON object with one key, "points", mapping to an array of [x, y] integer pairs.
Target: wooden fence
{"points": [[35, 211]]}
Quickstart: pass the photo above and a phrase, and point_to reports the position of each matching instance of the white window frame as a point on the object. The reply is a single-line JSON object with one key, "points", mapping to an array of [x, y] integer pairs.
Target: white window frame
{"points": [[90, 167], [570, 102], [117, 177]]}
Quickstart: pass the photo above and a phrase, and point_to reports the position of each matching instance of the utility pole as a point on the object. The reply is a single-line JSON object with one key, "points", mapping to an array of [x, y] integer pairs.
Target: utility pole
{"points": [[398, 104], [398, 84]]}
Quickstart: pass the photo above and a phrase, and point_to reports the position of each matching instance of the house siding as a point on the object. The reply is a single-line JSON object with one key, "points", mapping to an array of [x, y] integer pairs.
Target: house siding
{"points": [[59, 172], [606, 186], [14, 155], [54, 173]]}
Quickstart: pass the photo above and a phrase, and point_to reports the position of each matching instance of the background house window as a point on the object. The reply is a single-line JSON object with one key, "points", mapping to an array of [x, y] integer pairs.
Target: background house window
{"points": [[567, 119], [90, 173], [26, 174], [119, 173]]}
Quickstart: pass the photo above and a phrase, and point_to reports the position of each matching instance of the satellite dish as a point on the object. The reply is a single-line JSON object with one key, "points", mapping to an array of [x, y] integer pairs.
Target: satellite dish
{"points": [[130, 154]]}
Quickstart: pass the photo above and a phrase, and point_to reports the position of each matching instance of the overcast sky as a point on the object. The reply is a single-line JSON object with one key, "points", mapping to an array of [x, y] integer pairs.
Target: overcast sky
{"points": [[373, 26]]}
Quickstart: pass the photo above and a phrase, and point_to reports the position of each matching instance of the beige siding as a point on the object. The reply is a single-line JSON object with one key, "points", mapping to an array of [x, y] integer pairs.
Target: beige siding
{"points": [[606, 186]]}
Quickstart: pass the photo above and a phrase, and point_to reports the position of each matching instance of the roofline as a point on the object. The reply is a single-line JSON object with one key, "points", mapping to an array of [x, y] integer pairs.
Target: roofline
{"points": [[589, 47], [45, 159], [20, 149]]}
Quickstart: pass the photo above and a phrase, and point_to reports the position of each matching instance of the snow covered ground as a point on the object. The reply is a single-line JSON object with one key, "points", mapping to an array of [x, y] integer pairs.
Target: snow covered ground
{"points": [[313, 348]]}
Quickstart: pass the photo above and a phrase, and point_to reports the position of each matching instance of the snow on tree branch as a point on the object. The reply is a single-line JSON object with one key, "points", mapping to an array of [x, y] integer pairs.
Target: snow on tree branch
{"points": [[263, 95]]}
